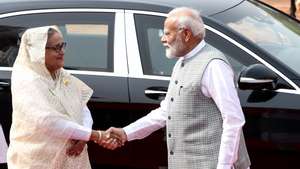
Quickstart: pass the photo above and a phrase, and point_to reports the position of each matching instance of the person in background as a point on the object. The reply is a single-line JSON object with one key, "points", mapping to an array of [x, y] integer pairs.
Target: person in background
{"points": [[294, 7], [51, 122], [201, 110]]}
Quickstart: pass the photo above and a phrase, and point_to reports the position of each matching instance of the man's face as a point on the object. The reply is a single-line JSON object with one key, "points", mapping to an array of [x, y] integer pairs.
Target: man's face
{"points": [[172, 39]]}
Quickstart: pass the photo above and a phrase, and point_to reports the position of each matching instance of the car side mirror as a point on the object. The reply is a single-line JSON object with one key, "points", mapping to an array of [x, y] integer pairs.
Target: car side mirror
{"points": [[257, 77]]}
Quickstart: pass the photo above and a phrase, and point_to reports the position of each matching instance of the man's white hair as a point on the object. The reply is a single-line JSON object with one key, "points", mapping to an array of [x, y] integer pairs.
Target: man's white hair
{"points": [[192, 21]]}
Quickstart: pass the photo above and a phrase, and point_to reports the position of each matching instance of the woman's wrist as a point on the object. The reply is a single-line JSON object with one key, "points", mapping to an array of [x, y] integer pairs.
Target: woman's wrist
{"points": [[96, 136]]}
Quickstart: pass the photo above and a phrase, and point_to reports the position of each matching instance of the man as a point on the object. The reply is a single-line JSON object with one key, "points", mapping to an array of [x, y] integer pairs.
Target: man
{"points": [[201, 110], [294, 7]]}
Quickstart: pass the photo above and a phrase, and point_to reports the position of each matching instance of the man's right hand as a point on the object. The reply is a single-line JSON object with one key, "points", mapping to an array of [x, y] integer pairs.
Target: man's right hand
{"points": [[117, 138]]}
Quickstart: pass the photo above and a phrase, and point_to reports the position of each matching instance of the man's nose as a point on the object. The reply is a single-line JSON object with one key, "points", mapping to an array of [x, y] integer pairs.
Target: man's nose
{"points": [[163, 39], [62, 51]]}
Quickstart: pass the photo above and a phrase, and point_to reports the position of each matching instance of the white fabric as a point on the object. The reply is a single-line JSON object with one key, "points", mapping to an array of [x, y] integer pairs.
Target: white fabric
{"points": [[78, 132], [87, 118], [222, 90], [39, 105], [217, 83], [3, 146]]}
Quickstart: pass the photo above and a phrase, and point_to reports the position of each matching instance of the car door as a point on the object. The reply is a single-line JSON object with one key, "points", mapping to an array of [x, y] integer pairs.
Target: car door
{"points": [[143, 31], [95, 53]]}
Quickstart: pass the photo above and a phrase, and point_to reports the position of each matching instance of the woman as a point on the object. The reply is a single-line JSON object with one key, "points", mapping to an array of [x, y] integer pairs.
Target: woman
{"points": [[51, 122]]}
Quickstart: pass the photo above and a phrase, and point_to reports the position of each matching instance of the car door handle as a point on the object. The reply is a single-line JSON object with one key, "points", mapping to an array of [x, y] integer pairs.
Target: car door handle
{"points": [[149, 92], [156, 93], [4, 85]]}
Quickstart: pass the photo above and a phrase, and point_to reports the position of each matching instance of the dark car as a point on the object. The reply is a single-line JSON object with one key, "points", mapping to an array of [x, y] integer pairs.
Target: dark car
{"points": [[114, 46]]}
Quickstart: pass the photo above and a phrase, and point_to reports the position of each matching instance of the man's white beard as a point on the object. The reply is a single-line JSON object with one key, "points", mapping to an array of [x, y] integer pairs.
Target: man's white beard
{"points": [[172, 49], [169, 53]]}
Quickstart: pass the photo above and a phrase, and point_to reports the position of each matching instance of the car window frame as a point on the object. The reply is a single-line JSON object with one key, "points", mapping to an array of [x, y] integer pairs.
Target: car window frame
{"points": [[137, 71], [119, 58]]}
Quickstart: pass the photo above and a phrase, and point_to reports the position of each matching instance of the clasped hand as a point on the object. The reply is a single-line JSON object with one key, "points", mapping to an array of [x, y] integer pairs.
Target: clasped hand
{"points": [[111, 138]]}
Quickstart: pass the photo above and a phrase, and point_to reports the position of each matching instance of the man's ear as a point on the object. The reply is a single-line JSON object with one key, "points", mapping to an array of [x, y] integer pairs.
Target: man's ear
{"points": [[187, 34]]}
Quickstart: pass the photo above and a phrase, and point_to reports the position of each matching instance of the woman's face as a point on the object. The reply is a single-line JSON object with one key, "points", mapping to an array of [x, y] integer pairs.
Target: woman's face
{"points": [[55, 51]]}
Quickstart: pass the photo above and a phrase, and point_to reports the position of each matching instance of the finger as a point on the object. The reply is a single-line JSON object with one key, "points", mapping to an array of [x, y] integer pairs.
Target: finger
{"points": [[114, 144], [109, 145], [106, 134]]}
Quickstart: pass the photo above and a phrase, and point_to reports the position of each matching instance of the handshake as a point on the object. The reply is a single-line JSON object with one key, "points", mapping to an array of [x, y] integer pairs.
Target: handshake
{"points": [[111, 139]]}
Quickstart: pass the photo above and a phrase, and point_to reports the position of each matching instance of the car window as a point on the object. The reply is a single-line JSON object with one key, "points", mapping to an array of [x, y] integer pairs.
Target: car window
{"points": [[89, 38], [273, 32], [237, 58], [152, 52], [87, 46], [153, 58], [9, 44]]}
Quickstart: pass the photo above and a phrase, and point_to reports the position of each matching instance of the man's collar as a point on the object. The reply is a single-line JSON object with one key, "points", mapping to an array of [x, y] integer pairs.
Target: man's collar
{"points": [[194, 51]]}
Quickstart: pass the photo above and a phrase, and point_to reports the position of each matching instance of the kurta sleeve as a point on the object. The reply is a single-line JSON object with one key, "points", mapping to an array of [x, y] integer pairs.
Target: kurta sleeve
{"points": [[32, 101], [146, 125]]}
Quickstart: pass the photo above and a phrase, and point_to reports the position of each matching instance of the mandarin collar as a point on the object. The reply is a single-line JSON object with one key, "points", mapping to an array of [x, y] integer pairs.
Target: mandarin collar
{"points": [[194, 51]]}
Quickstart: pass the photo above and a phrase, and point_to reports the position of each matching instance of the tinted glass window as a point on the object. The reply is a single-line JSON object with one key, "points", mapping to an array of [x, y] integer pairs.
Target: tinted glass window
{"points": [[237, 58], [9, 44], [89, 38], [152, 52], [87, 46], [154, 61], [271, 30]]}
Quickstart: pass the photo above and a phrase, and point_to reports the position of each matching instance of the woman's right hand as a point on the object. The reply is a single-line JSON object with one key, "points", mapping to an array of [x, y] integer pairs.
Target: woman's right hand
{"points": [[106, 139]]}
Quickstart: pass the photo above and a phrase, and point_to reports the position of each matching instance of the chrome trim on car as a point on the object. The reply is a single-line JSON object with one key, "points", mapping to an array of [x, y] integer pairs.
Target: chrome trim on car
{"points": [[95, 73], [6, 68], [155, 92], [146, 13], [37, 11], [120, 57], [152, 77], [253, 55], [119, 41], [133, 55], [133, 44], [233, 42], [288, 91], [4, 84], [252, 80]]}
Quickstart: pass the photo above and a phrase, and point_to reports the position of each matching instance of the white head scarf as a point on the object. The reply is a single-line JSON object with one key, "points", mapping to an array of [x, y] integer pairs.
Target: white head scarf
{"points": [[32, 50], [38, 103]]}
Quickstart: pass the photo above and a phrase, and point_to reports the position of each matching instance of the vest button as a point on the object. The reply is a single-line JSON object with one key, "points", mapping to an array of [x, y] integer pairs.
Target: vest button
{"points": [[169, 117], [176, 81], [169, 134], [172, 99], [171, 152], [182, 64]]}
